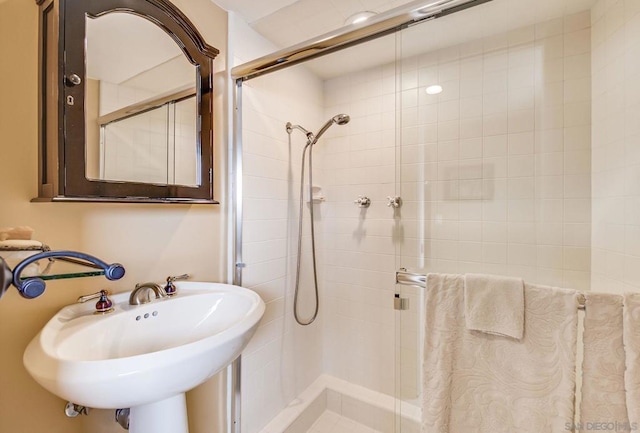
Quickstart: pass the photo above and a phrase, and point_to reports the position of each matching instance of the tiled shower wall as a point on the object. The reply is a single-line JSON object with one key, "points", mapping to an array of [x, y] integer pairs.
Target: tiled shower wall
{"points": [[359, 160], [616, 145], [494, 175]]}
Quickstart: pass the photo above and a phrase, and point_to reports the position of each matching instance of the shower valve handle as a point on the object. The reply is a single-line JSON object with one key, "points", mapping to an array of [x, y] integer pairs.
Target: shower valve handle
{"points": [[394, 202], [363, 201]]}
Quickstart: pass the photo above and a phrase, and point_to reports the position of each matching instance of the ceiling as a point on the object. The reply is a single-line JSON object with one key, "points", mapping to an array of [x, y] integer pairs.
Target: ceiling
{"points": [[288, 22]]}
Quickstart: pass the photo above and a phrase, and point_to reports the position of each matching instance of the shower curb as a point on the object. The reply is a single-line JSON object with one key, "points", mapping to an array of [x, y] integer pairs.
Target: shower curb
{"points": [[370, 408]]}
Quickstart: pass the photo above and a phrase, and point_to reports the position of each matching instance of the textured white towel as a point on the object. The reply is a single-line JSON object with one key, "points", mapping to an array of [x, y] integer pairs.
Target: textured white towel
{"points": [[494, 304], [631, 337], [482, 383], [603, 390]]}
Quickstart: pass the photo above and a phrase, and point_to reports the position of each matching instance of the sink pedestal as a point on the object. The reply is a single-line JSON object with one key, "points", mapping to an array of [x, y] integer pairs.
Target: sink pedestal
{"points": [[164, 416]]}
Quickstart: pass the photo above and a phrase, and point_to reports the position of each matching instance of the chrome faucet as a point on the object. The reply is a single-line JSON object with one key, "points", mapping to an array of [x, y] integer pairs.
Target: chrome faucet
{"points": [[141, 294]]}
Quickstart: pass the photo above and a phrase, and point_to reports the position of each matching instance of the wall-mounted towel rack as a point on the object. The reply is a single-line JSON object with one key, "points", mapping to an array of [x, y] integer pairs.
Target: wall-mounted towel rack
{"points": [[33, 287], [406, 278]]}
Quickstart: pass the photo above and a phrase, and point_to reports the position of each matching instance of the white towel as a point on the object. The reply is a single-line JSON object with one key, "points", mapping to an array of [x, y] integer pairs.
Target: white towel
{"points": [[603, 365], [494, 304], [14, 251], [631, 337], [21, 245], [23, 232], [483, 383]]}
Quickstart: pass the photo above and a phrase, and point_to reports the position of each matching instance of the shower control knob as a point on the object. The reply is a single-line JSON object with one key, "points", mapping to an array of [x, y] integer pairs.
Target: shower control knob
{"points": [[394, 202], [363, 201]]}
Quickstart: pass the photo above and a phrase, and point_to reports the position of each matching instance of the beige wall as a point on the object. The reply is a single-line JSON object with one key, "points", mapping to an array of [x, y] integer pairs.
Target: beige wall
{"points": [[151, 241]]}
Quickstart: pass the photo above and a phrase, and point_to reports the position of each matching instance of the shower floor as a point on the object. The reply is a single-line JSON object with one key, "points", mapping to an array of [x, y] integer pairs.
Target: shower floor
{"points": [[333, 405], [331, 422]]}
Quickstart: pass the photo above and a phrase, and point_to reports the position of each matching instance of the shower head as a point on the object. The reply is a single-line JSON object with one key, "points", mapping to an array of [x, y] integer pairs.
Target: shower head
{"points": [[339, 119]]}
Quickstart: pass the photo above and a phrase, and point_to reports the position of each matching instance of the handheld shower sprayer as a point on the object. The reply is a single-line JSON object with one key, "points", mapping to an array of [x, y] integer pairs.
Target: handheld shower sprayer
{"points": [[340, 119]]}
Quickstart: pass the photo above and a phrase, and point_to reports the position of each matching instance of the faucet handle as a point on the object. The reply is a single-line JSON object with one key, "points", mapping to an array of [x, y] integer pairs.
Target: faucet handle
{"points": [[394, 202], [363, 201], [170, 288], [104, 304]]}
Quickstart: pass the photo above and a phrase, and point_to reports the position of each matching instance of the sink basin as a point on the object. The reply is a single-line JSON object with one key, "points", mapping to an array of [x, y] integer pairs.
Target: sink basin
{"points": [[142, 354]]}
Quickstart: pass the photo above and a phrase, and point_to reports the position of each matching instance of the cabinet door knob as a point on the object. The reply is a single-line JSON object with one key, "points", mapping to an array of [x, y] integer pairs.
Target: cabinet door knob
{"points": [[73, 80]]}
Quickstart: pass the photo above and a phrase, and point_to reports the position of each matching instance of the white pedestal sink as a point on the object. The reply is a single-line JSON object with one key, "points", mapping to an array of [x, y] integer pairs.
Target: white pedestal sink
{"points": [[144, 357]]}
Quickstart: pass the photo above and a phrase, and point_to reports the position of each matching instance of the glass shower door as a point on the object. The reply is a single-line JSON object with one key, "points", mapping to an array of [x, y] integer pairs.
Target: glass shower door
{"points": [[417, 184], [439, 182], [494, 162]]}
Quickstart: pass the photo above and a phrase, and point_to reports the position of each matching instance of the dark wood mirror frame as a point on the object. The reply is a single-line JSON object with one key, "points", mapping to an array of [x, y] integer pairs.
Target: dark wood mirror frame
{"points": [[62, 126]]}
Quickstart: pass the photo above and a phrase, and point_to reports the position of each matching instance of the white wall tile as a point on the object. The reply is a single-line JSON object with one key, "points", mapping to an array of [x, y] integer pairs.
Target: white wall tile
{"points": [[614, 35], [549, 28], [495, 145], [577, 42], [579, 21]]}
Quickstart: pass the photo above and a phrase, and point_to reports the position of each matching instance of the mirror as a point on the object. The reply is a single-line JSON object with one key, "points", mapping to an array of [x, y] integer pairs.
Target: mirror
{"points": [[140, 105], [128, 113]]}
